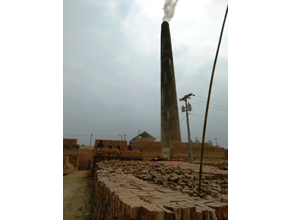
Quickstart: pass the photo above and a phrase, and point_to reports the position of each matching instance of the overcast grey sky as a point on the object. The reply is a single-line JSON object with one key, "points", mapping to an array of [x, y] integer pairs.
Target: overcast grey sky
{"points": [[111, 58]]}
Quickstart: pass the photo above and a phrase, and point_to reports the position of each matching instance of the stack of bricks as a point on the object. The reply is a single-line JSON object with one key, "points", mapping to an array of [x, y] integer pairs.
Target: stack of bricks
{"points": [[180, 150], [114, 143], [180, 176], [148, 149], [218, 163], [132, 153], [121, 196], [125, 197], [108, 152], [69, 142]]}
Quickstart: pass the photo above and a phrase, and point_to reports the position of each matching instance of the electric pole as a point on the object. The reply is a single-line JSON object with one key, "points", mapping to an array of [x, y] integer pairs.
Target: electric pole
{"points": [[188, 108], [90, 139]]}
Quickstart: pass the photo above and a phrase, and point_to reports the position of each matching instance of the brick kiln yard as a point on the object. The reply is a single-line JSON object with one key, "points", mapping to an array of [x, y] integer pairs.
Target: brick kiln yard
{"points": [[159, 190], [145, 189]]}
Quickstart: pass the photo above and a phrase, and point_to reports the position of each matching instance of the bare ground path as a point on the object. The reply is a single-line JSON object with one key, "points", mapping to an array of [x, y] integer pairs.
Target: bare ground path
{"points": [[78, 196]]}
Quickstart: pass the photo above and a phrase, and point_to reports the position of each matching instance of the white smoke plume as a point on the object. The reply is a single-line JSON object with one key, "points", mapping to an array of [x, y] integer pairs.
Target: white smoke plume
{"points": [[169, 9]]}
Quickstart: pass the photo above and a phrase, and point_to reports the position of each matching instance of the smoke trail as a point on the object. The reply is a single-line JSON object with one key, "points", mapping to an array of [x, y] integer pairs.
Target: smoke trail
{"points": [[169, 9]]}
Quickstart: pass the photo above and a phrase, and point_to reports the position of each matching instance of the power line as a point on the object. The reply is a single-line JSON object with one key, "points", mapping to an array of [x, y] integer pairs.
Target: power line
{"points": [[105, 135], [211, 104], [212, 100], [182, 119], [209, 118], [211, 107]]}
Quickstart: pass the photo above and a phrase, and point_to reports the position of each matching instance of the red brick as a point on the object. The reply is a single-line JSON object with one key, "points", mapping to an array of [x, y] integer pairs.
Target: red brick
{"points": [[199, 214], [160, 212], [225, 212], [219, 209], [186, 213], [169, 215], [134, 212], [147, 212], [176, 210]]}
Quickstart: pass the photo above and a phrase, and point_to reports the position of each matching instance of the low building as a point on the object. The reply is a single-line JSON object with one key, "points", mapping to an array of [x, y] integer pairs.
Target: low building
{"points": [[143, 137]]}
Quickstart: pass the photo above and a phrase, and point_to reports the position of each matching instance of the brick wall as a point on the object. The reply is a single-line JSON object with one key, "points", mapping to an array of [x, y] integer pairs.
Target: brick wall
{"points": [[180, 150], [148, 149], [69, 142], [143, 139], [114, 143], [71, 149]]}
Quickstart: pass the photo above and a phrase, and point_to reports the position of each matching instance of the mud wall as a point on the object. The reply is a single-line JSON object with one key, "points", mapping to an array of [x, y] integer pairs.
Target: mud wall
{"points": [[85, 153], [148, 149], [180, 150], [71, 149]]}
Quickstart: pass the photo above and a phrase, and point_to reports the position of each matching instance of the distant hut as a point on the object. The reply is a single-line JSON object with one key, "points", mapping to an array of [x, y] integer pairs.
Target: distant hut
{"points": [[142, 137]]}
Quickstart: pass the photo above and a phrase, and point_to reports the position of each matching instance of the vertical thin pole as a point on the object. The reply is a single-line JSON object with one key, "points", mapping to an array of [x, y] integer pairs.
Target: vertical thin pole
{"points": [[90, 139], [187, 114], [189, 134], [208, 101]]}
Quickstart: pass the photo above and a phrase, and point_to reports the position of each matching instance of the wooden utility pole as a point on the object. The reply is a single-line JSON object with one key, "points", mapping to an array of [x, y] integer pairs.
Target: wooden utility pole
{"points": [[187, 114], [208, 101]]}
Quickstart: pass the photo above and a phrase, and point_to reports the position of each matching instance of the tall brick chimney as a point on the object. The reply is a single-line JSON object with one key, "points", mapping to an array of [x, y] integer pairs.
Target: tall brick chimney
{"points": [[170, 127]]}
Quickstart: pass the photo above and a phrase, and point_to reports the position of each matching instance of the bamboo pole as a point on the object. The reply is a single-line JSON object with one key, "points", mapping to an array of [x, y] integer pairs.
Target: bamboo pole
{"points": [[208, 101]]}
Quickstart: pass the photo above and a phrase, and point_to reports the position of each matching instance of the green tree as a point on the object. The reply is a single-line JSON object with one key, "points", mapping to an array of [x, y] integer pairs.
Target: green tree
{"points": [[210, 143]]}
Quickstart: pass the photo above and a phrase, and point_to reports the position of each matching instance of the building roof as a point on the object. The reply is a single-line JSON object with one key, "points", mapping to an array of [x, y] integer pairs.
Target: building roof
{"points": [[144, 135]]}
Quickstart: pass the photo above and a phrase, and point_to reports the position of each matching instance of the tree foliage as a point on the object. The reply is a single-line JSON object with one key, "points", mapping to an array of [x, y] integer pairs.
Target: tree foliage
{"points": [[210, 143]]}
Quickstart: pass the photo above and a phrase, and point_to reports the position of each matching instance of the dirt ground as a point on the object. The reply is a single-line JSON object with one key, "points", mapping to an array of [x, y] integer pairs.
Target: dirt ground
{"points": [[78, 195]]}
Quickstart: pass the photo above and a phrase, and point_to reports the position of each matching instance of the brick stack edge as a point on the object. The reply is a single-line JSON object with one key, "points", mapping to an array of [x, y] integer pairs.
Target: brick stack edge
{"points": [[122, 196], [107, 143], [180, 150], [107, 152], [177, 151], [69, 142], [148, 149]]}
